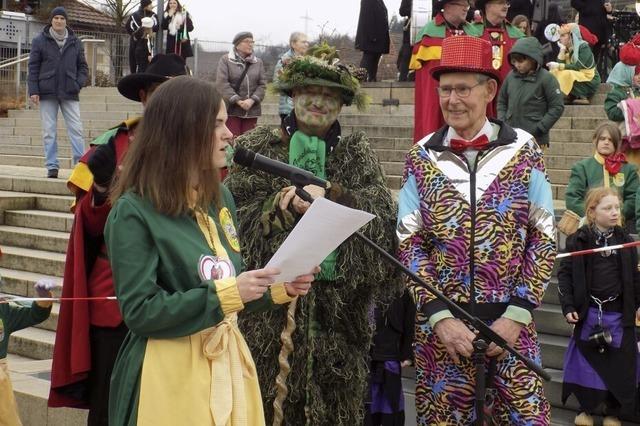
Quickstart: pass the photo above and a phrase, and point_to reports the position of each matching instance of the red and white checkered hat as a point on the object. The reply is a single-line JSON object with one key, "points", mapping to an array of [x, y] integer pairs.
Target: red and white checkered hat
{"points": [[465, 54]]}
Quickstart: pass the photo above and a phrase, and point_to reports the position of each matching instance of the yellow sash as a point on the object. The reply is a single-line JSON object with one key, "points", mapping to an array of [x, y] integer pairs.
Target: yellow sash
{"points": [[208, 378], [8, 406], [566, 78]]}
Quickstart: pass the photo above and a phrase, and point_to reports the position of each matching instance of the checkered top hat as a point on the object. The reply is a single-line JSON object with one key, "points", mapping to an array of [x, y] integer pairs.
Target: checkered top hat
{"points": [[465, 54]]}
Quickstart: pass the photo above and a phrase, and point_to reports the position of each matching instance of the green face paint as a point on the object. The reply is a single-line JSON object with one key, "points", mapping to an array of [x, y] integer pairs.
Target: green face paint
{"points": [[228, 155], [317, 107]]}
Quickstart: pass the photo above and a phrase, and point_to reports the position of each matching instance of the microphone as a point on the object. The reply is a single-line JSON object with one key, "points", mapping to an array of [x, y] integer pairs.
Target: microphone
{"points": [[297, 176]]}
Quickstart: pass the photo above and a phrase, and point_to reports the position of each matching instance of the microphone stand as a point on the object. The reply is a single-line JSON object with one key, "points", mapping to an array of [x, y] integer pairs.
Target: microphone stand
{"points": [[485, 334]]}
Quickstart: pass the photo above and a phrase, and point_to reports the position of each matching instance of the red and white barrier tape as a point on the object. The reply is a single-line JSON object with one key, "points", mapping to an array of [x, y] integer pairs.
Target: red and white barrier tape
{"points": [[599, 249], [57, 299]]}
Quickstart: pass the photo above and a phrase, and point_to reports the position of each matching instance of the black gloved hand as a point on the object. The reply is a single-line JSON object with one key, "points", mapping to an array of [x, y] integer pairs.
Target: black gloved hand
{"points": [[103, 163]]}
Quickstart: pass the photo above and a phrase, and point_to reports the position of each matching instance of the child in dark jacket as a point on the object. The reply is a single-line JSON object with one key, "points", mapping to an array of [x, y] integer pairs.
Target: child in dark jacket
{"points": [[14, 318], [600, 295], [391, 350], [530, 97]]}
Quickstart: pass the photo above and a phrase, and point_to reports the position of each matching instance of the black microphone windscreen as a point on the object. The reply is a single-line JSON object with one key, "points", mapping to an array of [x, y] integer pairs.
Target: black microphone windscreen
{"points": [[243, 156]]}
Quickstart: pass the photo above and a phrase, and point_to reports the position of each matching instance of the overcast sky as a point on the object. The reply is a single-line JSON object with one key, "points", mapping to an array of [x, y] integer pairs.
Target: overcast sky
{"points": [[271, 21]]}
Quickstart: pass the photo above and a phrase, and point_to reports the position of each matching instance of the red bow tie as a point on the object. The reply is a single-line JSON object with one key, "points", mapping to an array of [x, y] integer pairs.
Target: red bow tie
{"points": [[460, 145]]}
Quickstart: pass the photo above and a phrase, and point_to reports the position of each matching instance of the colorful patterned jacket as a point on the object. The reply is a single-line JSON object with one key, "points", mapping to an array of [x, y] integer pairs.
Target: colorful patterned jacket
{"points": [[485, 239]]}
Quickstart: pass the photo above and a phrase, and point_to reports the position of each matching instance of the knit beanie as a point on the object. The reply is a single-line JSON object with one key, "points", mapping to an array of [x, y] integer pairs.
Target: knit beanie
{"points": [[241, 36], [58, 11]]}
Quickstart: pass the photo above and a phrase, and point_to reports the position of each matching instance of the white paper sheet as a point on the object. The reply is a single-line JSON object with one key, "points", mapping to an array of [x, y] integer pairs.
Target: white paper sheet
{"points": [[320, 231]]}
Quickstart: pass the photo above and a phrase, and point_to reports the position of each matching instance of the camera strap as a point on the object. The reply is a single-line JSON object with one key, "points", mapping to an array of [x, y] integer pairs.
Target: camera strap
{"points": [[601, 302]]}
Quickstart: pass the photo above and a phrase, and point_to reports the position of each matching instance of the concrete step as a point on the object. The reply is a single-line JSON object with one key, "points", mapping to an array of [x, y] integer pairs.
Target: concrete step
{"points": [[24, 201], [549, 320], [33, 161], [561, 161], [19, 116], [31, 383], [401, 144], [584, 111], [393, 168], [553, 349], [559, 176], [54, 203], [20, 283], [32, 342], [571, 135], [32, 260], [34, 185], [86, 107], [39, 219], [64, 151], [90, 132], [578, 149], [38, 239]]}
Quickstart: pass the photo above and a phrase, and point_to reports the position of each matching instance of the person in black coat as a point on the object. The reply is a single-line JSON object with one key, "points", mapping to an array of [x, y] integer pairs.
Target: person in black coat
{"points": [[135, 30], [520, 7], [404, 55], [593, 15], [391, 350], [550, 50], [372, 37], [175, 20]]}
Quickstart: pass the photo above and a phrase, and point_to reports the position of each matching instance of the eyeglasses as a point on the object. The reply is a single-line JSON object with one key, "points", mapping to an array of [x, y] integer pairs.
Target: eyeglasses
{"points": [[500, 2], [461, 91]]}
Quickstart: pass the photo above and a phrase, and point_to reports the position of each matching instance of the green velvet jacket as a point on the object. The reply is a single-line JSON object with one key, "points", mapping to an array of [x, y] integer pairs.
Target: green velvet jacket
{"points": [[155, 261], [587, 174], [16, 317]]}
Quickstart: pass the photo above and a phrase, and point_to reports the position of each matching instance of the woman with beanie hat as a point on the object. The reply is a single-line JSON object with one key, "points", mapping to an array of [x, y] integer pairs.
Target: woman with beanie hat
{"points": [[242, 80]]}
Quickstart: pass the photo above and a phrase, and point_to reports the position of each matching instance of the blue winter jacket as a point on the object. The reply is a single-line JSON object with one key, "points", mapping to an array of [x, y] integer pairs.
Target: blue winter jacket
{"points": [[54, 72]]}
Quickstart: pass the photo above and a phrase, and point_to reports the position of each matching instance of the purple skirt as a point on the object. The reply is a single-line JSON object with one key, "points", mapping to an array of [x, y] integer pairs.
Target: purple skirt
{"points": [[587, 373]]}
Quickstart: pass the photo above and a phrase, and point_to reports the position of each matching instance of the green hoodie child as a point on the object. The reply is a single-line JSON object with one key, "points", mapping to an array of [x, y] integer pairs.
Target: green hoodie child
{"points": [[530, 97]]}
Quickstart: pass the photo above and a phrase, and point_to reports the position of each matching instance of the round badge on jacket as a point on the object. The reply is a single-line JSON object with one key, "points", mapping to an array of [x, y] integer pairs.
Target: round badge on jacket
{"points": [[226, 221], [618, 179], [215, 268]]}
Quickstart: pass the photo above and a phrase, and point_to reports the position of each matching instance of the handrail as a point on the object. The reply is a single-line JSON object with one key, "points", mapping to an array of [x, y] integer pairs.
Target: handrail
{"points": [[13, 61]]}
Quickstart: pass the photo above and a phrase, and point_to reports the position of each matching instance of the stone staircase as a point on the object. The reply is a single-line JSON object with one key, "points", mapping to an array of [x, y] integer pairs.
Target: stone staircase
{"points": [[35, 221]]}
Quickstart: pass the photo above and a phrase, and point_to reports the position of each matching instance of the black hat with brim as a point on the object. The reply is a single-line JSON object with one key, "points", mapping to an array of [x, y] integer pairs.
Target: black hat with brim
{"points": [[161, 69]]}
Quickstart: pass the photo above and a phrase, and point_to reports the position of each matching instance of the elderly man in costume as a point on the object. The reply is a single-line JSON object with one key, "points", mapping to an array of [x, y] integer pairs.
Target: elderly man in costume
{"points": [[476, 221], [449, 21], [332, 330], [89, 334], [501, 34]]}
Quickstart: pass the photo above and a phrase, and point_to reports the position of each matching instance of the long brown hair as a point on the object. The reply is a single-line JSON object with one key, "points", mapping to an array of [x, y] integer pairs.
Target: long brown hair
{"points": [[613, 130], [174, 141], [593, 198]]}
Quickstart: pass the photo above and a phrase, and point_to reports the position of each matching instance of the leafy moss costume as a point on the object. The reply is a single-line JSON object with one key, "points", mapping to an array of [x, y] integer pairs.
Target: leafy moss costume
{"points": [[327, 383]]}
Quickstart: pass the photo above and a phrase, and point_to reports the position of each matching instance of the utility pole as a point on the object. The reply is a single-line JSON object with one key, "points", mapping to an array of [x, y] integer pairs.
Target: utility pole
{"points": [[306, 19]]}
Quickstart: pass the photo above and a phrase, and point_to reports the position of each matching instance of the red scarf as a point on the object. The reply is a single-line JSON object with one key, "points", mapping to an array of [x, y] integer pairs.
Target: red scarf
{"points": [[614, 162]]}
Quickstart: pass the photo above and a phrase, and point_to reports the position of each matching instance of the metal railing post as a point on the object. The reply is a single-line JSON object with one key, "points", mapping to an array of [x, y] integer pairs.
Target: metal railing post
{"points": [[94, 64], [195, 57], [18, 70]]}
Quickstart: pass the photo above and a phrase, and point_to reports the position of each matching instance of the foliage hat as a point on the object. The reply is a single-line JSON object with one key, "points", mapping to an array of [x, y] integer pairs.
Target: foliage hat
{"points": [[321, 67]]}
